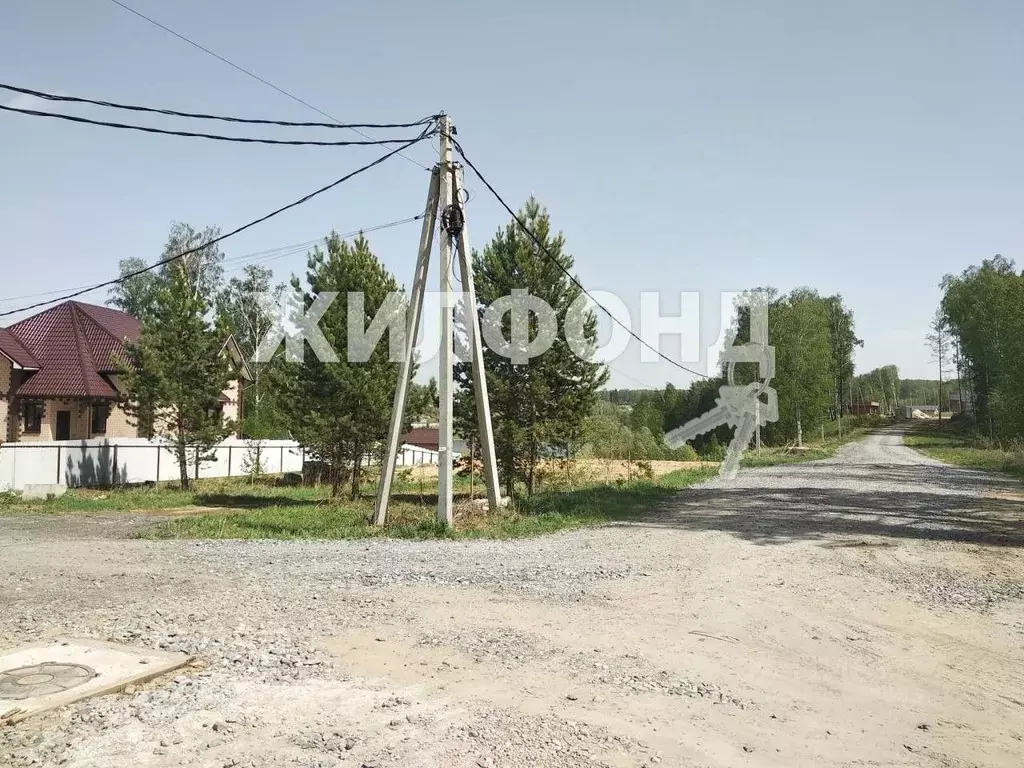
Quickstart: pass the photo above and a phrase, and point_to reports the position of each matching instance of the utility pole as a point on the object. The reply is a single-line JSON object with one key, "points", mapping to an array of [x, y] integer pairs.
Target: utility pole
{"points": [[445, 372], [444, 202]]}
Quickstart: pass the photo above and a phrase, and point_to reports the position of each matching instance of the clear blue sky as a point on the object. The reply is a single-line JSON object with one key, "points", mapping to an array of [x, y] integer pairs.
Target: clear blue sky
{"points": [[865, 148]]}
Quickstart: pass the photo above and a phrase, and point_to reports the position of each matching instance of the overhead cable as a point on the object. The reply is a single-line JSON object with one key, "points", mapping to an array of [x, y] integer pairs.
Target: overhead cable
{"points": [[220, 238], [234, 263], [203, 116], [543, 249], [247, 72], [213, 136]]}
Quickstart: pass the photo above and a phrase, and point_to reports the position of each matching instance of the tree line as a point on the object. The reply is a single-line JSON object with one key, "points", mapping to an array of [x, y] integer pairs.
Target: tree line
{"points": [[339, 411], [553, 406], [978, 335], [815, 343]]}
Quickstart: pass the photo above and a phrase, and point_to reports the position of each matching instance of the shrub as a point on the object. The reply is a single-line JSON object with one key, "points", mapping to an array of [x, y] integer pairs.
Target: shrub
{"points": [[685, 453], [714, 450]]}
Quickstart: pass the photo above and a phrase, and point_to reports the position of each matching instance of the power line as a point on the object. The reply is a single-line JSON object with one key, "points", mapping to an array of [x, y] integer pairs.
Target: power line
{"points": [[279, 253], [221, 238], [632, 378], [213, 136], [243, 260], [547, 253], [204, 116], [247, 72]]}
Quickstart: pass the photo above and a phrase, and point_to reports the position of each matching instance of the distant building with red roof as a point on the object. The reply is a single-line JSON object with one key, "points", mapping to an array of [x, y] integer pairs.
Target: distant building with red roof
{"points": [[58, 375]]}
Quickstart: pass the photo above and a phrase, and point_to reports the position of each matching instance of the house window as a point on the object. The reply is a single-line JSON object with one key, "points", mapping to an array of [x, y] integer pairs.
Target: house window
{"points": [[33, 418], [100, 412]]}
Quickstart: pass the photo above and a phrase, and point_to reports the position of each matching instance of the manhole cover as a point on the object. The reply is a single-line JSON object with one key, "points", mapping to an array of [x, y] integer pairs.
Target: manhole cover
{"points": [[42, 680]]}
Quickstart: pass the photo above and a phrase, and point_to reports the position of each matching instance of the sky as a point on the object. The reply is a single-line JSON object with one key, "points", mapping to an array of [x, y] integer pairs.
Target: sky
{"points": [[862, 148]]}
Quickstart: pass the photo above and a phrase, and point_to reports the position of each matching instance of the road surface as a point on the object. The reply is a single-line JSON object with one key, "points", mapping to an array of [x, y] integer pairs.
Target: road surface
{"points": [[862, 611]]}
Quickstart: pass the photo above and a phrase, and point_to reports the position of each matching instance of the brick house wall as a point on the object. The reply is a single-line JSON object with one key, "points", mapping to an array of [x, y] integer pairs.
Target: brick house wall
{"points": [[5, 398], [80, 415], [12, 427], [232, 410], [118, 424]]}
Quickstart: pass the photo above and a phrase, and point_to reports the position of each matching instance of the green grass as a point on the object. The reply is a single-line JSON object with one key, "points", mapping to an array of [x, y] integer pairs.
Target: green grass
{"points": [[274, 512], [952, 446], [770, 457], [236, 492], [854, 428]]}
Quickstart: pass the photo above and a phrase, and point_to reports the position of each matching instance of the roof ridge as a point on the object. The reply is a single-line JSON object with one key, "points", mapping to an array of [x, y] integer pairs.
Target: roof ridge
{"points": [[84, 353], [78, 307]]}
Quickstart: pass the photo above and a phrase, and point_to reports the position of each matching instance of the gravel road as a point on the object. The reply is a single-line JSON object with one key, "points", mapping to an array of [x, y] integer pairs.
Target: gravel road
{"points": [[865, 610]]}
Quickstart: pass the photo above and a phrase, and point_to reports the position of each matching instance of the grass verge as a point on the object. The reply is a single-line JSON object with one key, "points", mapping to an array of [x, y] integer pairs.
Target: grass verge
{"points": [[954, 447], [270, 512], [855, 428]]}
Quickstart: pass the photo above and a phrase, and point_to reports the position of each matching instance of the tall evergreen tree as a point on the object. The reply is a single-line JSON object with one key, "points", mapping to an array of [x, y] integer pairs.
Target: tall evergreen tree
{"points": [[543, 403], [340, 410], [179, 371]]}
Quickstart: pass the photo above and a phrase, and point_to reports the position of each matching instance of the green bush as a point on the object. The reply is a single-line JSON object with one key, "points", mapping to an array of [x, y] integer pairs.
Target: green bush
{"points": [[686, 453], [714, 450]]}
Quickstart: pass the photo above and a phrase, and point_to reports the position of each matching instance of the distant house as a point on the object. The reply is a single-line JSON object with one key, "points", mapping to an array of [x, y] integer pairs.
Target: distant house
{"points": [[58, 375], [863, 409], [427, 437], [961, 402]]}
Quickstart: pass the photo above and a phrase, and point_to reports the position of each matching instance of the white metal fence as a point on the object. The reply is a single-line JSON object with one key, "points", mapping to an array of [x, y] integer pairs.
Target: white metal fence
{"points": [[102, 462]]}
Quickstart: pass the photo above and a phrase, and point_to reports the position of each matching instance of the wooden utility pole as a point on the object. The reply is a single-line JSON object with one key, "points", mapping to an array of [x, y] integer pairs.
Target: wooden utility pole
{"points": [[443, 200]]}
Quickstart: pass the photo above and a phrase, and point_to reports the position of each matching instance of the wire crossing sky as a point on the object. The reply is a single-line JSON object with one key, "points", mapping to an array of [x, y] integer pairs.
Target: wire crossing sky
{"points": [[866, 149]]}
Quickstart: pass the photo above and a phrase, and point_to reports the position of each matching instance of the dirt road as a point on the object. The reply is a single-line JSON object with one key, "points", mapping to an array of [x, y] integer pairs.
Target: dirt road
{"points": [[863, 611]]}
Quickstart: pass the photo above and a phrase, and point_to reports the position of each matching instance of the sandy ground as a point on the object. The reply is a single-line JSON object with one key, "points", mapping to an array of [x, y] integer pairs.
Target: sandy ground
{"points": [[589, 469], [861, 611]]}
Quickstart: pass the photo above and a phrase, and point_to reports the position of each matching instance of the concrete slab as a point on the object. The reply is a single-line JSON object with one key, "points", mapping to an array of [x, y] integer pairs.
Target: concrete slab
{"points": [[42, 491], [49, 674]]}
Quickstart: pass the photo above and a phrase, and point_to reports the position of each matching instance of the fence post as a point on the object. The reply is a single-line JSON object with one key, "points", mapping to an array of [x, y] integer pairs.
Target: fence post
{"points": [[114, 473], [58, 464], [282, 459], [229, 461], [157, 464]]}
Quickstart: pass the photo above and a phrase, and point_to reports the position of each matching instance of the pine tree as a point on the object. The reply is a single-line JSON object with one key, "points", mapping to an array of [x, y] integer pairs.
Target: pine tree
{"points": [[340, 410], [544, 402], [173, 387]]}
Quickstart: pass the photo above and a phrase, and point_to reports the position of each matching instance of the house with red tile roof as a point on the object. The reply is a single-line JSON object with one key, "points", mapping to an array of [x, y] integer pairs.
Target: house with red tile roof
{"points": [[58, 375]]}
